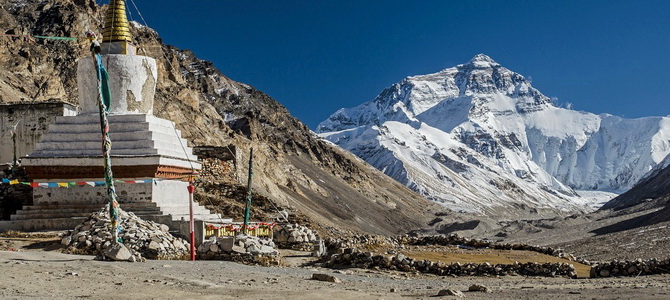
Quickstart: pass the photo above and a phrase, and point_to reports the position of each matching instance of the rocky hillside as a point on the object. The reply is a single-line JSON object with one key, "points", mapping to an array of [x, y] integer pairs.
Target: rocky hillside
{"points": [[653, 188], [294, 167]]}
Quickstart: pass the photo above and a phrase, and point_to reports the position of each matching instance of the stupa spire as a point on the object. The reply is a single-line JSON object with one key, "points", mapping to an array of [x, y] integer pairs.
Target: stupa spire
{"points": [[116, 38]]}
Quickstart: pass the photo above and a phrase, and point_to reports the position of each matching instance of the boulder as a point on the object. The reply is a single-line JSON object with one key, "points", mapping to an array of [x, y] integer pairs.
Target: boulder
{"points": [[117, 252], [325, 277]]}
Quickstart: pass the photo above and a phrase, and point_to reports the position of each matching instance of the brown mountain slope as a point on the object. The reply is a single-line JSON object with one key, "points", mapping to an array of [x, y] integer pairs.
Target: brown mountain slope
{"points": [[656, 186], [294, 168]]}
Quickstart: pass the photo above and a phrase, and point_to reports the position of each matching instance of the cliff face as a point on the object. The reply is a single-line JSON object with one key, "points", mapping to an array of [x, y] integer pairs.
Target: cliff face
{"points": [[294, 168]]}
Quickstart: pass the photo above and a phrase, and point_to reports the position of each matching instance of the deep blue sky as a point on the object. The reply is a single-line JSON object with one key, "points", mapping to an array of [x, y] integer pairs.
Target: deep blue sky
{"points": [[316, 56]]}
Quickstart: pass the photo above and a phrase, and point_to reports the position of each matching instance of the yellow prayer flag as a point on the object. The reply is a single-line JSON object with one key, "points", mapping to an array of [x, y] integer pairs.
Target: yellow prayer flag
{"points": [[15, 181], [62, 184]]}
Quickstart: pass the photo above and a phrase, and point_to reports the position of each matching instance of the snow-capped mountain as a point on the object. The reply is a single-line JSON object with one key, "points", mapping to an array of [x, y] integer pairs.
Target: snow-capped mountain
{"points": [[478, 137]]}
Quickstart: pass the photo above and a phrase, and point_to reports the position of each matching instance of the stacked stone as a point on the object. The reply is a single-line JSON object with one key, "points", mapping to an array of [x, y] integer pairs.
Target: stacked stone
{"points": [[143, 239], [293, 235], [359, 241], [220, 169], [637, 267], [454, 239], [367, 260], [241, 248]]}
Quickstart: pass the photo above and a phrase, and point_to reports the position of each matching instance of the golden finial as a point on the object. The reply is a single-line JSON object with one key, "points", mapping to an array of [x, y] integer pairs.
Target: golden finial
{"points": [[116, 32]]}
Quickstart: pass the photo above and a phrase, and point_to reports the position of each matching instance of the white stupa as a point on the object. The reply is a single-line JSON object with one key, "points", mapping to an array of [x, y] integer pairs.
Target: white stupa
{"points": [[144, 147]]}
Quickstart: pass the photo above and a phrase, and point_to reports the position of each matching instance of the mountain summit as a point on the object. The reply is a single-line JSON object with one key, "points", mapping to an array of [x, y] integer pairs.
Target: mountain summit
{"points": [[478, 137]]}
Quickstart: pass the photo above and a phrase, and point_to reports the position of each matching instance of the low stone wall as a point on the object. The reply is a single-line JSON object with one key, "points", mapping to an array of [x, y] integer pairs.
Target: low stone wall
{"points": [[638, 267], [294, 236], [367, 260], [241, 248], [453, 239], [363, 241]]}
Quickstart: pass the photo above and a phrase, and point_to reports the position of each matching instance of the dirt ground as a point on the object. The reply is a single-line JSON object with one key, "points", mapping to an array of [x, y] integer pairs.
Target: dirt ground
{"points": [[40, 271]]}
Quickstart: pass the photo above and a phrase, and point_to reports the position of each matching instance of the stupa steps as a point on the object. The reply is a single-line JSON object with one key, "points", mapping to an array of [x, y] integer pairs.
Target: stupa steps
{"points": [[141, 209], [89, 206], [56, 137], [66, 223], [113, 118], [81, 145], [59, 127], [77, 148], [116, 151], [198, 210], [113, 127], [72, 213], [131, 135]]}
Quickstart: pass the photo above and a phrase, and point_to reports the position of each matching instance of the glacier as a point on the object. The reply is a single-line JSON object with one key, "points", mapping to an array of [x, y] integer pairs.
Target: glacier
{"points": [[478, 137]]}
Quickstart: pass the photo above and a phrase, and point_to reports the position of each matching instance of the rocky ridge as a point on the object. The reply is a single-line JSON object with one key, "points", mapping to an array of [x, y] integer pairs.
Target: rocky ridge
{"points": [[655, 187]]}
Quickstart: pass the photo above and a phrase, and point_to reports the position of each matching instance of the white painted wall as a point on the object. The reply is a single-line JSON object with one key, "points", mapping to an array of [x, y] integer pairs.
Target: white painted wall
{"points": [[32, 121], [131, 77]]}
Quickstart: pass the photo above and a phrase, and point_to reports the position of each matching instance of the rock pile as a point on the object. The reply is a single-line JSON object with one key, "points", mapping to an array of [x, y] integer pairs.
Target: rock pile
{"points": [[367, 260], [290, 235], [241, 248], [631, 268], [359, 241], [143, 239], [223, 170]]}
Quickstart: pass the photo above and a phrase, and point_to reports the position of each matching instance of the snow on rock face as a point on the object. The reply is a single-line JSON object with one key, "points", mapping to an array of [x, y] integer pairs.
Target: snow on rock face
{"points": [[478, 136]]}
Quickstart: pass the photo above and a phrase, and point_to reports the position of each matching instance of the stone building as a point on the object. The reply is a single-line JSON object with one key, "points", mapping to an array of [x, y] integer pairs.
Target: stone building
{"points": [[31, 121]]}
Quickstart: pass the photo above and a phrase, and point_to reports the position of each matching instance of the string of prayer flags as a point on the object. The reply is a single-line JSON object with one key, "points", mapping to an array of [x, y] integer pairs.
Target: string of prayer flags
{"points": [[71, 184]]}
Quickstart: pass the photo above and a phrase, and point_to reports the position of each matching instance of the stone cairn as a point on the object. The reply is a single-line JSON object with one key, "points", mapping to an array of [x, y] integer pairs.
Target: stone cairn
{"points": [[637, 267], [241, 248], [141, 239], [296, 237], [367, 260]]}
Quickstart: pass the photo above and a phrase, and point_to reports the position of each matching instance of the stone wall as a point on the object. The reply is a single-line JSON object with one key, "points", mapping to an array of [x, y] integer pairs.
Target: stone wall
{"points": [[241, 248], [225, 153], [637, 267], [367, 260], [33, 119]]}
